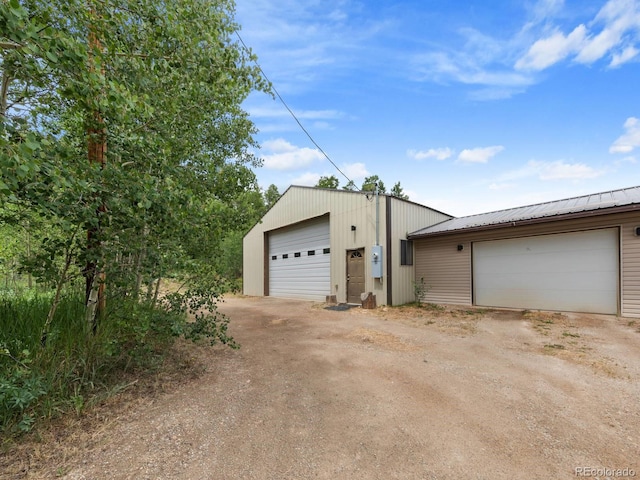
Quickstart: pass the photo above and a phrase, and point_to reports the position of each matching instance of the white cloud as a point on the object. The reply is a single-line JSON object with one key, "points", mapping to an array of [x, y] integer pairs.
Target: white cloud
{"points": [[437, 153], [630, 139], [619, 22], [465, 67], [319, 114], [502, 186], [495, 93], [623, 57], [618, 16], [355, 171], [558, 170], [299, 44], [624, 160], [285, 156], [480, 154], [548, 51], [322, 126], [546, 8], [279, 112], [621, 19], [306, 179]]}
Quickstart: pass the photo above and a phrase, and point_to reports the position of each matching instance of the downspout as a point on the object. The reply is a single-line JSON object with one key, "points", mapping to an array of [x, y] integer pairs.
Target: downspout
{"points": [[377, 217]]}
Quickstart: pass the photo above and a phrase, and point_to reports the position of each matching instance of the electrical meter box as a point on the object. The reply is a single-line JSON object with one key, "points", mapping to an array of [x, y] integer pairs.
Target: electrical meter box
{"points": [[376, 261]]}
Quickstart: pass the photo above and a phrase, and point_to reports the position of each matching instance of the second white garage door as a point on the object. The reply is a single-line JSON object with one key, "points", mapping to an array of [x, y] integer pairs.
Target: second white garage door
{"points": [[299, 261], [567, 272]]}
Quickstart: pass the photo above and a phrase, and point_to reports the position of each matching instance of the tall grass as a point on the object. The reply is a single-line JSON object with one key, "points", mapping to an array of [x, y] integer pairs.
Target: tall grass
{"points": [[31, 372], [74, 364]]}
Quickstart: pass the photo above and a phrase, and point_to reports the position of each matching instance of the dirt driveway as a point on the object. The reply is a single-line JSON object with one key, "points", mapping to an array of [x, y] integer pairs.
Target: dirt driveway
{"points": [[390, 394]]}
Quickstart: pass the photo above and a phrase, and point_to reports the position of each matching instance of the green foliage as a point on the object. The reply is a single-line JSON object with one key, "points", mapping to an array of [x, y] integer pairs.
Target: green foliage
{"points": [[331, 182], [165, 81], [398, 191], [20, 388], [159, 86], [271, 196], [350, 186], [420, 290], [73, 368], [373, 182], [370, 184], [27, 371], [207, 322], [229, 262]]}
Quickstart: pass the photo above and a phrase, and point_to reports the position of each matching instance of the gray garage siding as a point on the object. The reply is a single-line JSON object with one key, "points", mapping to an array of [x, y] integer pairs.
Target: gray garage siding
{"points": [[448, 271], [406, 217], [630, 270], [445, 270]]}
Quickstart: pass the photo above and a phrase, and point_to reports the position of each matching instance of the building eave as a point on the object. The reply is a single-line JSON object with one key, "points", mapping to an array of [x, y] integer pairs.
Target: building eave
{"points": [[531, 221]]}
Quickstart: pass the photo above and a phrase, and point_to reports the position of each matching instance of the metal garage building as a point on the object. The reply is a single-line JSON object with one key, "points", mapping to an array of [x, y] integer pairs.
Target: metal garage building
{"points": [[317, 242], [580, 254]]}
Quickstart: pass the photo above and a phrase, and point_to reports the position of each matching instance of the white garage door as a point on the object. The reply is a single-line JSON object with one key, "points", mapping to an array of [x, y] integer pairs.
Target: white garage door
{"points": [[569, 272], [299, 261]]}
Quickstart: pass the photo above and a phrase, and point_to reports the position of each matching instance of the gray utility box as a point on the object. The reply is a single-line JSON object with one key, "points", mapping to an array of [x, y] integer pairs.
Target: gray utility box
{"points": [[376, 261]]}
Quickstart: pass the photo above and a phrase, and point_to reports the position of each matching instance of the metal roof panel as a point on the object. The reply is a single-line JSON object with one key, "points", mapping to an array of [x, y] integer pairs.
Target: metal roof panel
{"points": [[585, 203]]}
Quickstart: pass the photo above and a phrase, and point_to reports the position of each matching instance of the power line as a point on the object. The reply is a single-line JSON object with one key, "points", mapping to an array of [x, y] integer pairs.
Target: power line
{"points": [[275, 90]]}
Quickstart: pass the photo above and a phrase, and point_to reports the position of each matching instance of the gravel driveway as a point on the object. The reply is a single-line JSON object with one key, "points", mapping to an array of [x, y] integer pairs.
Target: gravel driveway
{"points": [[393, 393]]}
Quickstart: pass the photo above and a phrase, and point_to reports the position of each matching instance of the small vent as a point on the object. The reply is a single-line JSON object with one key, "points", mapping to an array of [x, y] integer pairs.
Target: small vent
{"points": [[637, 231]]}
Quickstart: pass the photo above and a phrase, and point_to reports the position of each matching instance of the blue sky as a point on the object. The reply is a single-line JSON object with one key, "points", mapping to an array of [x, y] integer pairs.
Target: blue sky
{"points": [[473, 106]]}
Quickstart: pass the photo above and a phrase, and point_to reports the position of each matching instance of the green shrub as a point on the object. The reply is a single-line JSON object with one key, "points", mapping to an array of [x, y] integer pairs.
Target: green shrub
{"points": [[420, 290]]}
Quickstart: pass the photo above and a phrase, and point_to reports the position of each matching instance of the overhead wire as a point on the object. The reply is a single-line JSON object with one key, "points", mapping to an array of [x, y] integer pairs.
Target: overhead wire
{"points": [[275, 90]]}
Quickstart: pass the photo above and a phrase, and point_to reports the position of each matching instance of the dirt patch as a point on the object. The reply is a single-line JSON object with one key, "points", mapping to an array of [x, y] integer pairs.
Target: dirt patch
{"points": [[572, 337], [383, 339], [576, 338], [453, 320], [405, 393]]}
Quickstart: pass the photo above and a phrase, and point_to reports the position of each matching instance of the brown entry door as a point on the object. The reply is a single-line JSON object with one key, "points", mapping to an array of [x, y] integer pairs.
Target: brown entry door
{"points": [[355, 275]]}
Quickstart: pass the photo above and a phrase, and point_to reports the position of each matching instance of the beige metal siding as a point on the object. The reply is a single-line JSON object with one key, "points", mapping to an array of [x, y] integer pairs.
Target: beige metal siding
{"points": [[345, 209], [434, 265], [407, 218], [294, 206], [299, 204], [253, 260], [630, 249]]}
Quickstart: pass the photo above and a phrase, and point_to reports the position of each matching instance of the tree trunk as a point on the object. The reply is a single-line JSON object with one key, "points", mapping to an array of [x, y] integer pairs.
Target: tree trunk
{"points": [[96, 150], [4, 93], [155, 295], [136, 290], [56, 299], [139, 261], [95, 305], [29, 277]]}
